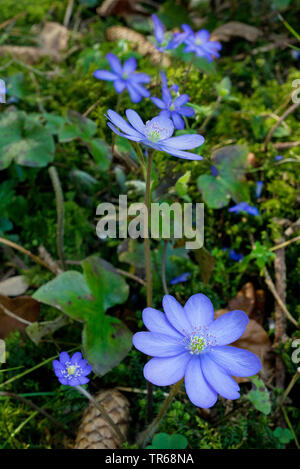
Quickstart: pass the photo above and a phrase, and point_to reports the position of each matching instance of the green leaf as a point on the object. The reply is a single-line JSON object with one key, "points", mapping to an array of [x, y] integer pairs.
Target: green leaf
{"points": [[284, 435], [100, 152], [24, 141], [107, 287], [77, 126], [68, 292], [224, 87], [181, 186], [106, 341], [214, 193], [165, 441], [259, 396]]}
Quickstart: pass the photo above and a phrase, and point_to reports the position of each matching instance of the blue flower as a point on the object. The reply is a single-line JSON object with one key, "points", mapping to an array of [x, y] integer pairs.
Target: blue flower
{"points": [[72, 371], [173, 108], [200, 43], [187, 342], [278, 158], [124, 76], [234, 256], [258, 188], [162, 41], [214, 171], [245, 207], [156, 133], [180, 278], [2, 91]]}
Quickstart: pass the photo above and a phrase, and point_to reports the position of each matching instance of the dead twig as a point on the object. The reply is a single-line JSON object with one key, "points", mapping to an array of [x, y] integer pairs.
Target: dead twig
{"points": [[291, 109], [26, 252]]}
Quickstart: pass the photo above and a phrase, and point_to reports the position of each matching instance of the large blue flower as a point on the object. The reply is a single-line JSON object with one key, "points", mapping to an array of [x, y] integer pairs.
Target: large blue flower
{"points": [[171, 107], [72, 371], [187, 342], [244, 207], [199, 43], [124, 76], [156, 133]]}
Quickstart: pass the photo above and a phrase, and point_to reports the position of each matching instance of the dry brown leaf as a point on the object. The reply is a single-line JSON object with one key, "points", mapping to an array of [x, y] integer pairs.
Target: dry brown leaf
{"points": [[121, 8], [24, 307], [54, 36], [235, 28], [14, 286], [30, 55], [255, 338], [142, 45], [94, 432]]}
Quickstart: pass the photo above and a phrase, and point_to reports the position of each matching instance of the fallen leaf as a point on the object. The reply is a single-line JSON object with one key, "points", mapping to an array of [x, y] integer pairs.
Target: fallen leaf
{"points": [[54, 36], [14, 286], [120, 8], [37, 330], [142, 45], [24, 307], [235, 28], [255, 338]]}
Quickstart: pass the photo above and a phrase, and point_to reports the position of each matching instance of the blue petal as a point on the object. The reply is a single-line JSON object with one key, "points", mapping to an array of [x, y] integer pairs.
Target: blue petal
{"points": [[140, 89], [158, 102], [218, 379], [229, 327], [156, 321], [115, 63], [236, 361], [181, 100], [140, 77], [119, 122], [129, 66], [199, 310], [166, 371], [105, 75], [185, 142], [180, 154], [129, 137], [64, 357], [134, 95], [76, 358], [157, 345], [176, 315], [178, 121], [135, 120], [186, 111], [158, 29], [83, 380], [198, 390], [64, 381], [119, 85], [164, 79]]}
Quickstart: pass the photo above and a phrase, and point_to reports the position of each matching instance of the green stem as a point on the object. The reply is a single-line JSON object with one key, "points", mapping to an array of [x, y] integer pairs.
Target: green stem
{"points": [[148, 266], [105, 415], [187, 74], [147, 234], [210, 116], [60, 215], [163, 267], [149, 432]]}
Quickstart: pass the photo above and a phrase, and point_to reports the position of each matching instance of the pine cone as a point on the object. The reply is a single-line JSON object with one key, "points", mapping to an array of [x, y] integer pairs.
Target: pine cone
{"points": [[94, 432]]}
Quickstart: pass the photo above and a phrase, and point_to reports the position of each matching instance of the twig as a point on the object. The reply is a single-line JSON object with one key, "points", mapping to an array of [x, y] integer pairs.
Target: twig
{"points": [[11, 20], [26, 252], [286, 243], [284, 115], [68, 13], [60, 214], [280, 319], [286, 145], [273, 290], [132, 276], [210, 116], [92, 107], [14, 316], [289, 388]]}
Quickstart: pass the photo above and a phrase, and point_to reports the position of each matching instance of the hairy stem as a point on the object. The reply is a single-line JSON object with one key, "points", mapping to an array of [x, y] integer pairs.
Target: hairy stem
{"points": [[105, 415], [60, 215], [163, 267]]}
